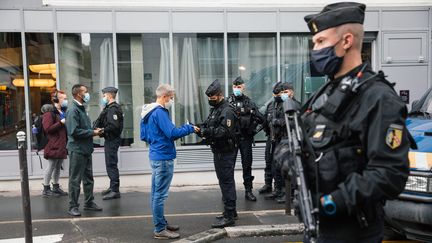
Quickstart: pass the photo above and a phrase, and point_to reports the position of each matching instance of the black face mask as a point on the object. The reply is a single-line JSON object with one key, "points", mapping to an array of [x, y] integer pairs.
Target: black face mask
{"points": [[213, 102], [278, 99], [325, 61]]}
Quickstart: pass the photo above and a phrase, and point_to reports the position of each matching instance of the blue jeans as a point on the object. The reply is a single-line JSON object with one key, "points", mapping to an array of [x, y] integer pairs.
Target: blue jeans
{"points": [[162, 173]]}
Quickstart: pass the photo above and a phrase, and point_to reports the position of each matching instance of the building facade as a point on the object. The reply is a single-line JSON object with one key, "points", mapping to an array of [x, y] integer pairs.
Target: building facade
{"points": [[46, 45]]}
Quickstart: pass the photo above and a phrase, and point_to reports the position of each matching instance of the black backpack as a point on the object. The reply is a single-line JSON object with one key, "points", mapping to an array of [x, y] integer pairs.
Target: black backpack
{"points": [[41, 139]]}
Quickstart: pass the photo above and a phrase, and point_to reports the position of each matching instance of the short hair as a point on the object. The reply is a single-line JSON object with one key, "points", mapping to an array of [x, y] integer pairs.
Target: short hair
{"points": [[76, 89], [164, 89], [356, 30]]}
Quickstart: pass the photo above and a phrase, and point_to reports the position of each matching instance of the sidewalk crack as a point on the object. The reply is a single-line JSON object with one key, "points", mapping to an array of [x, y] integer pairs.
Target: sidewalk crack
{"points": [[79, 230]]}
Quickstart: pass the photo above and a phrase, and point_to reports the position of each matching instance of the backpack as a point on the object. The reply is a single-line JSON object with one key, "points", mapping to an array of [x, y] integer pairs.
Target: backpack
{"points": [[41, 139]]}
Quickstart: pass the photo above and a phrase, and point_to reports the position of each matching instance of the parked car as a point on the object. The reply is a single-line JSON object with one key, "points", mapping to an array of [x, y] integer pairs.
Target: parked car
{"points": [[411, 214]]}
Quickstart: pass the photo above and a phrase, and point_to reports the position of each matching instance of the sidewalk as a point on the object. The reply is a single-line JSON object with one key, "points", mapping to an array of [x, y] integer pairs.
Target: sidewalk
{"points": [[137, 182], [129, 219]]}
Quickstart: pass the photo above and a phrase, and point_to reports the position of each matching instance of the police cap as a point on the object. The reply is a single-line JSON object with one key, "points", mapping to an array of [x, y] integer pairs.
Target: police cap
{"points": [[334, 15], [214, 88], [109, 90], [238, 81], [278, 87]]}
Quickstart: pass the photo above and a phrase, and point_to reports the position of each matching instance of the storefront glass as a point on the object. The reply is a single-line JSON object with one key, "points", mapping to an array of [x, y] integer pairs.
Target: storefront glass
{"points": [[12, 104]]}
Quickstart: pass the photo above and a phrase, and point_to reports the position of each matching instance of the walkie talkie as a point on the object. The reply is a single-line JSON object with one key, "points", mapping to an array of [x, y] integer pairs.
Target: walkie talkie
{"points": [[340, 98]]}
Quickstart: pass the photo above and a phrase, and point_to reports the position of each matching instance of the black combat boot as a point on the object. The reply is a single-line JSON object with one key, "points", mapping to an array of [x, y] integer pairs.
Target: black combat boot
{"points": [[281, 198], [226, 220], [250, 196], [57, 191], [47, 191], [265, 189], [274, 195]]}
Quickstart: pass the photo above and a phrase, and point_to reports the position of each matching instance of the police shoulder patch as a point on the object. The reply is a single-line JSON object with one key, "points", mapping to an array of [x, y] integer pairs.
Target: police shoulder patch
{"points": [[228, 122], [115, 117], [394, 136]]}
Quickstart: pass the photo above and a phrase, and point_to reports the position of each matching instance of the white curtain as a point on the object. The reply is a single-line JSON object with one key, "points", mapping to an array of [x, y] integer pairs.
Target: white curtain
{"points": [[106, 66], [295, 61], [187, 86], [164, 65], [256, 59]]}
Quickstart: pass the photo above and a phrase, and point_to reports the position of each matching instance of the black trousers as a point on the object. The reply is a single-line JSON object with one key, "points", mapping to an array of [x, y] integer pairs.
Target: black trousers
{"points": [[245, 147], [271, 171], [80, 169], [111, 147], [224, 165]]}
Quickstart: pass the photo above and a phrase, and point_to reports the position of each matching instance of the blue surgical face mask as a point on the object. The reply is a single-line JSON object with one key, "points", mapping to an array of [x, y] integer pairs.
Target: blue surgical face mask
{"points": [[86, 97], [284, 97], [325, 61], [64, 104], [237, 92], [104, 101]]}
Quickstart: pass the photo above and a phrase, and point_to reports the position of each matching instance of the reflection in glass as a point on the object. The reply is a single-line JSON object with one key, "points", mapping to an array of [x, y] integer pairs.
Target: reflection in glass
{"points": [[143, 63], [41, 71], [87, 59], [253, 57], [295, 62], [12, 105], [198, 60]]}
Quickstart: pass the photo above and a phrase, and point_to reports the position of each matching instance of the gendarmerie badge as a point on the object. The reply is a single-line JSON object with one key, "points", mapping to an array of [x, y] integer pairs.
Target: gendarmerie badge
{"points": [[394, 136]]}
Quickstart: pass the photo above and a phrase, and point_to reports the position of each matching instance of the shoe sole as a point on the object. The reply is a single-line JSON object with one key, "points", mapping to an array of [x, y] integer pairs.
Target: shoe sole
{"points": [[165, 238], [110, 198], [221, 227], [92, 209], [74, 215]]}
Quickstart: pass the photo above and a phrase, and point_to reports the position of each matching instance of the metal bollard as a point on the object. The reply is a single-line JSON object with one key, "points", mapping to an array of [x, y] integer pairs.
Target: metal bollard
{"points": [[287, 195], [21, 137]]}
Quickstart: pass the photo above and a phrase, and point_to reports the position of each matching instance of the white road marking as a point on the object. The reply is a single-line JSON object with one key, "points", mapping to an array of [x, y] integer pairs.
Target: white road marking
{"points": [[138, 216], [36, 239]]}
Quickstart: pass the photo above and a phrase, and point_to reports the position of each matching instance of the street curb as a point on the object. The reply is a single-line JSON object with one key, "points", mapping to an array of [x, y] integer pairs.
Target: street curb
{"points": [[243, 231], [264, 230], [204, 237]]}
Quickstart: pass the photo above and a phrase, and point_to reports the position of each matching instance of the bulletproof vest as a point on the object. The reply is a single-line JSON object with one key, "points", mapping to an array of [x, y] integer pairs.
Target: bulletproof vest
{"points": [[243, 110], [118, 112], [339, 151], [214, 121], [275, 111]]}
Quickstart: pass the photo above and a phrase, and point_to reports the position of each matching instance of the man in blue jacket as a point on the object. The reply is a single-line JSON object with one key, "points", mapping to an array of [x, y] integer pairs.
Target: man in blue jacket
{"points": [[160, 133]]}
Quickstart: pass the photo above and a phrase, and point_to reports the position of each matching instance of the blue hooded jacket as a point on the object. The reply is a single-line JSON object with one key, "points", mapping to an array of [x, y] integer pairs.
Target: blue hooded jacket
{"points": [[160, 133]]}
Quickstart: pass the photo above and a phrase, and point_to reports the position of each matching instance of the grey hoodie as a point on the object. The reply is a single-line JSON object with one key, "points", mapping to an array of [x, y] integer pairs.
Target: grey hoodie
{"points": [[147, 108]]}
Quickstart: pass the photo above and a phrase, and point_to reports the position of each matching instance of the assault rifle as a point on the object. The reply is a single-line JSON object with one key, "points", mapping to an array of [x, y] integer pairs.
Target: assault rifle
{"points": [[292, 161]]}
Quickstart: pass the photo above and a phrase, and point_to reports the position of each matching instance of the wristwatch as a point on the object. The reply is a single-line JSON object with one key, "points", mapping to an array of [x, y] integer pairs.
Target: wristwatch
{"points": [[329, 205]]}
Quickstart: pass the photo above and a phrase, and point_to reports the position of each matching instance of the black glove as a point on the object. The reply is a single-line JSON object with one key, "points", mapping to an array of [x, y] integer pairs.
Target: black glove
{"points": [[207, 132]]}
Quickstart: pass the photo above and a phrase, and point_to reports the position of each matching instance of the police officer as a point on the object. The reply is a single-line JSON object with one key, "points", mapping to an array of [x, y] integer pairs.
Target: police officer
{"points": [[111, 121], [218, 132], [249, 117], [275, 129], [356, 127]]}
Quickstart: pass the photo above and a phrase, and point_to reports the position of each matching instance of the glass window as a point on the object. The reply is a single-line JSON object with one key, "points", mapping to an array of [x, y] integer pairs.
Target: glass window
{"points": [[253, 56], [143, 63], [87, 59], [198, 60], [12, 104], [295, 62], [41, 71]]}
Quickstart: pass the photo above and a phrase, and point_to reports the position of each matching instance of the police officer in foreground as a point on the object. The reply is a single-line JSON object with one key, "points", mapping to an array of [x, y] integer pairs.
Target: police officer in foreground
{"points": [[111, 121], [356, 127], [218, 131], [275, 130], [249, 117]]}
